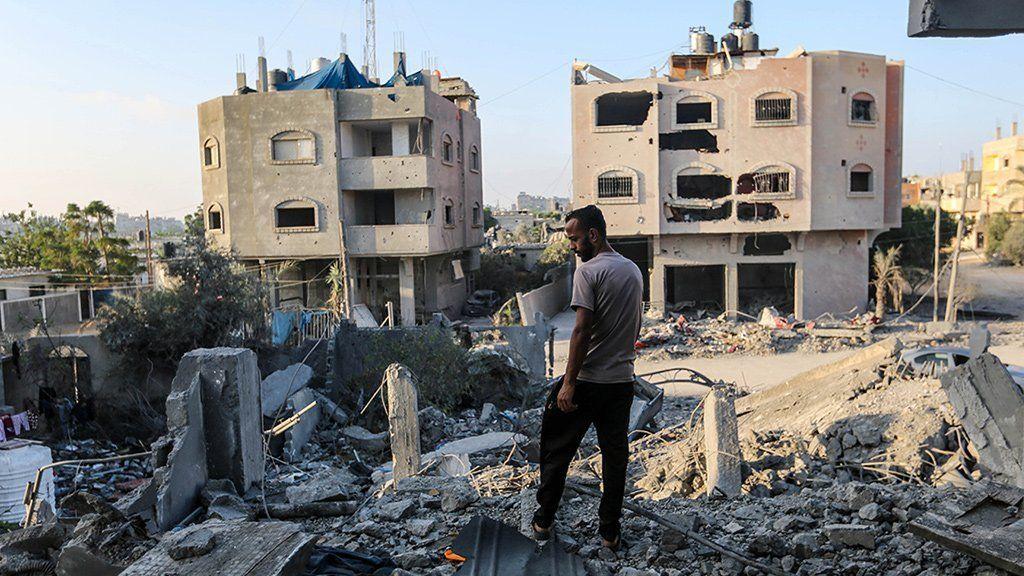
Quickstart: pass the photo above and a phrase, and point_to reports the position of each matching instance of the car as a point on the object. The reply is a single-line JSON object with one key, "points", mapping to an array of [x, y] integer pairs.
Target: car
{"points": [[936, 360], [481, 303]]}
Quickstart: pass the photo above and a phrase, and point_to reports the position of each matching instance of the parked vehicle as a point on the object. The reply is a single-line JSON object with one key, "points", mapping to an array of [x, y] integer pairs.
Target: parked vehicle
{"points": [[481, 303], [936, 360]]}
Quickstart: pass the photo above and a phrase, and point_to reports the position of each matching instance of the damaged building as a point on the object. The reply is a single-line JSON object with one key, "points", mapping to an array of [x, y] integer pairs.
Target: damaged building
{"points": [[333, 165], [739, 178]]}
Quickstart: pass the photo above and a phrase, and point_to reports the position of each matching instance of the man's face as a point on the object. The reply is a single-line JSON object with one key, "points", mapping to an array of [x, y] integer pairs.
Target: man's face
{"points": [[580, 241]]}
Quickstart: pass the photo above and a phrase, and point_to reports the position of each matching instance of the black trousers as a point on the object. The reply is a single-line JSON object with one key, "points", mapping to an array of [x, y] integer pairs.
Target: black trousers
{"points": [[606, 406]]}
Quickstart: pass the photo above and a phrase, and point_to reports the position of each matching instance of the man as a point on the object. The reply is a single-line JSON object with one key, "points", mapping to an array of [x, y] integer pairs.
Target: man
{"points": [[598, 384]]}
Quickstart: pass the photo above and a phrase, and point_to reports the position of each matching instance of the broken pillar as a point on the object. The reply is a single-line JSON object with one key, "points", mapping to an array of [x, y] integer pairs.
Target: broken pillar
{"points": [[279, 386], [403, 421], [180, 456], [296, 437], [990, 406], [232, 420], [722, 445], [407, 291]]}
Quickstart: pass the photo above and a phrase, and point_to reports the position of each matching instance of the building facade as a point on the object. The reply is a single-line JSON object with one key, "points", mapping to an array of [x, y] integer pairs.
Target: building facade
{"points": [[331, 166], [1002, 173], [741, 179], [528, 203]]}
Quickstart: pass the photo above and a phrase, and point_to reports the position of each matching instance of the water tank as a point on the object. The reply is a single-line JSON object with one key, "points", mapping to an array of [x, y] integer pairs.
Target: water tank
{"points": [[319, 63], [701, 42], [277, 76], [742, 11], [18, 468], [750, 41], [732, 42]]}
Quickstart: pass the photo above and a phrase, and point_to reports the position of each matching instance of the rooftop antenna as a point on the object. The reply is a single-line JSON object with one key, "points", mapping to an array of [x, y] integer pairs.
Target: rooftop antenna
{"points": [[291, 67], [343, 42], [370, 41]]}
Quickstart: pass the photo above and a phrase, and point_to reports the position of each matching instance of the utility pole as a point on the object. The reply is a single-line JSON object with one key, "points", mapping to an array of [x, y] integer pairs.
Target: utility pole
{"points": [[149, 251], [938, 241], [951, 293]]}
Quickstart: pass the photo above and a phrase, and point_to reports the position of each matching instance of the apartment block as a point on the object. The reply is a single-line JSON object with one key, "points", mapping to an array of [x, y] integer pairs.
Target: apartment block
{"points": [[1002, 173], [739, 178], [332, 165]]}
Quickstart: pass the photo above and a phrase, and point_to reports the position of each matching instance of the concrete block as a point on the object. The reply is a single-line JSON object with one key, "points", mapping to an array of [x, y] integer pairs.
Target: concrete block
{"points": [[281, 385], [403, 421], [180, 457], [296, 437], [722, 445], [231, 412], [990, 406]]}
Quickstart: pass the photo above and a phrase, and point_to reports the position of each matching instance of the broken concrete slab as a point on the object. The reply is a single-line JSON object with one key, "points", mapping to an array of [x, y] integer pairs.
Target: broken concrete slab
{"points": [[327, 485], [482, 443], [722, 445], [330, 409], [278, 387], [194, 544], [296, 437], [363, 439], [180, 456], [250, 548], [851, 535], [231, 411], [990, 406]]}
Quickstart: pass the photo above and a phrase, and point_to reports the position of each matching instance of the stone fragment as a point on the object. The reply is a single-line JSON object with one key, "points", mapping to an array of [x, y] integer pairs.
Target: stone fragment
{"points": [[870, 511], [363, 439], [851, 535], [395, 511], [487, 412], [277, 388], [296, 437], [420, 526], [411, 560], [193, 544], [458, 497], [722, 445], [805, 545], [327, 485]]}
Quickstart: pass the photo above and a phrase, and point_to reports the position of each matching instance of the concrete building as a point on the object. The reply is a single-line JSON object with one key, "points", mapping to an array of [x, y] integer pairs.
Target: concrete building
{"points": [[1002, 173], [333, 166], [741, 179], [528, 203]]}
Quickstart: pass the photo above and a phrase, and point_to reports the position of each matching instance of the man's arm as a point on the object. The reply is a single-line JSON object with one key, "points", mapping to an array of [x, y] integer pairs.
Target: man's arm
{"points": [[579, 344]]}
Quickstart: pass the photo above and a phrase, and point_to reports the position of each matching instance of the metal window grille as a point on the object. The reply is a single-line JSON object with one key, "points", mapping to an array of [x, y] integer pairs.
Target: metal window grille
{"points": [[615, 186], [773, 109], [771, 183]]}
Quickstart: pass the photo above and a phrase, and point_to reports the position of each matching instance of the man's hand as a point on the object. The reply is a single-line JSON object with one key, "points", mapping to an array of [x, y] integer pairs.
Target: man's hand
{"points": [[565, 395]]}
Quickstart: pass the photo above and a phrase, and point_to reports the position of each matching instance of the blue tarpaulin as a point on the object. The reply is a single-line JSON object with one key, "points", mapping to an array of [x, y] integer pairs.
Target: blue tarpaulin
{"points": [[343, 75], [281, 326]]}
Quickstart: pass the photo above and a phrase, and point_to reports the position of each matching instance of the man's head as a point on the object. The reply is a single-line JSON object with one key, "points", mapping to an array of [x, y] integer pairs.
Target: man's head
{"points": [[586, 230]]}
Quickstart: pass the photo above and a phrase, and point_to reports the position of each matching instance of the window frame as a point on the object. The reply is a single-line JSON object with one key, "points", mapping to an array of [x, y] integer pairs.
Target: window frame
{"points": [[618, 127], [769, 196], [303, 135], [794, 111], [477, 215], [872, 183], [708, 97], [874, 108], [214, 162], [474, 159], [448, 213], [634, 198], [215, 206], [447, 149], [303, 203]]}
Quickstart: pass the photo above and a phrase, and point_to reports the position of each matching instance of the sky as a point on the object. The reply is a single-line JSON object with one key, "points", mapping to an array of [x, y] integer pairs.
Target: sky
{"points": [[99, 98]]}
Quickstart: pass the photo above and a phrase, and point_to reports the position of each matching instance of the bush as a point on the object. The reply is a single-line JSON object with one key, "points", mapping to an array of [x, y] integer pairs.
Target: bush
{"points": [[995, 231], [1012, 244]]}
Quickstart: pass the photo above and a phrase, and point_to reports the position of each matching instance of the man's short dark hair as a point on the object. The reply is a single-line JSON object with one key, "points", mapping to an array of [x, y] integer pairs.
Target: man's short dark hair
{"points": [[589, 217]]}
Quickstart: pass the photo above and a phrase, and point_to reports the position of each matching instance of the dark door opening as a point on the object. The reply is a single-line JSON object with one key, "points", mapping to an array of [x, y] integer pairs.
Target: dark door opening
{"points": [[762, 285], [695, 288], [637, 249]]}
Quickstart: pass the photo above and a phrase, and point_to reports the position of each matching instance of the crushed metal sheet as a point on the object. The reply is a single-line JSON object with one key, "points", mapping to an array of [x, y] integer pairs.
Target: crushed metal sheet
{"points": [[552, 560], [492, 548]]}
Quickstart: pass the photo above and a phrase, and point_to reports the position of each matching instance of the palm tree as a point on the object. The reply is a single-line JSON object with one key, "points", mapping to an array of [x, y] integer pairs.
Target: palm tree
{"points": [[888, 279], [104, 216]]}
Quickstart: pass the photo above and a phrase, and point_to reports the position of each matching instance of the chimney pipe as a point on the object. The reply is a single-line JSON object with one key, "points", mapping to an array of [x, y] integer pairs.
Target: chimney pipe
{"points": [[261, 81]]}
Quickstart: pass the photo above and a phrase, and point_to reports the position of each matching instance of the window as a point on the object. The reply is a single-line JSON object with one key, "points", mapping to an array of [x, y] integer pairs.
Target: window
{"points": [[37, 290], [449, 214], [614, 185], [211, 153], [477, 220], [861, 180], [862, 109], [293, 147], [458, 148], [296, 216], [622, 109], [474, 159], [446, 149], [3, 294], [1006, 162], [421, 137], [774, 109], [215, 219], [696, 110]]}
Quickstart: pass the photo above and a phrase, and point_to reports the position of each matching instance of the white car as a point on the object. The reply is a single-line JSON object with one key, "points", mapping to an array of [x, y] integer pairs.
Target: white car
{"points": [[935, 360]]}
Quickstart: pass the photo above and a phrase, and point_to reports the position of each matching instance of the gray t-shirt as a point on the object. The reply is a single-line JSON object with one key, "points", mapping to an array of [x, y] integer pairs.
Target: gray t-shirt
{"points": [[612, 286]]}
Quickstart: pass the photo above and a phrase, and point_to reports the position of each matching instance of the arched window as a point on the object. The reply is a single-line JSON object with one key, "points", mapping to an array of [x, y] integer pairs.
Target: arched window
{"points": [[774, 180], [447, 149], [298, 215], [863, 109], [449, 213], [211, 153], [700, 180], [862, 180], [215, 218], [458, 150], [474, 159], [776, 107], [293, 147], [617, 184], [696, 110], [478, 219]]}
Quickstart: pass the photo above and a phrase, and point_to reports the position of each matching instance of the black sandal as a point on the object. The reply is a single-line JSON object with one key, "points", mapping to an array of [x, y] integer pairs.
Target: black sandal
{"points": [[541, 534]]}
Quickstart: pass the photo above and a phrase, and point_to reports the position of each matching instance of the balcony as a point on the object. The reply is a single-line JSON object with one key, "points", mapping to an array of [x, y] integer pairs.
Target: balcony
{"points": [[386, 172], [395, 240]]}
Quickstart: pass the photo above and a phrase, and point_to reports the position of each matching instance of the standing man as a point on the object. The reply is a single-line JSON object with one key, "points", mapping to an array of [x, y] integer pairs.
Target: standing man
{"points": [[598, 384]]}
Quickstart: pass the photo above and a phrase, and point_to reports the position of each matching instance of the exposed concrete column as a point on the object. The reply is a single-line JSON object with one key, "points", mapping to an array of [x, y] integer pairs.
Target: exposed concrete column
{"points": [[400, 138], [732, 289], [407, 290], [722, 445], [798, 290], [403, 421], [657, 285]]}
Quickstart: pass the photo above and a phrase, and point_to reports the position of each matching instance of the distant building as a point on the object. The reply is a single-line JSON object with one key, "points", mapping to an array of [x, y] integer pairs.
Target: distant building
{"points": [[128, 226], [527, 203], [1002, 173], [911, 193], [298, 169], [740, 179]]}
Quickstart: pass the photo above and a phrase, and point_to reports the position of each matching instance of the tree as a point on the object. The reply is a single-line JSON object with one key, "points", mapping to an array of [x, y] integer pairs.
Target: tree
{"points": [[998, 225], [1012, 245], [103, 216], [916, 236], [489, 220], [888, 280]]}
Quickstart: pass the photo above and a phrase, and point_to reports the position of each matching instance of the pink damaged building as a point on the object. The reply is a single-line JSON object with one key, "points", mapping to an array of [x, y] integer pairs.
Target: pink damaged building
{"points": [[737, 178]]}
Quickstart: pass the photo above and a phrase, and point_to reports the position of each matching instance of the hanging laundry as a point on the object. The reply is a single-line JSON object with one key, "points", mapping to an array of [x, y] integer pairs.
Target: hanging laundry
{"points": [[20, 422]]}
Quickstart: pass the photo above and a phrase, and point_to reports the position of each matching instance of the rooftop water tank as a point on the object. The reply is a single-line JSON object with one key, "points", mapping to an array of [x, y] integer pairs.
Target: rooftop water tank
{"points": [[750, 41], [17, 468], [277, 76], [701, 42], [318, 63], [742, 11], [731, 42]]}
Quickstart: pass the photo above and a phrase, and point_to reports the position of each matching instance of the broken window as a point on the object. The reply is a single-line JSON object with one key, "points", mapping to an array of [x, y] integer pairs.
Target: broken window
{"points": [[761, 285], [420, 136], [615, 184], [756, 211], [862, 109], [766, 245], [449, 213], [292, 146], [295, 214], [773, 107], [694, 110], [215, 220], [709, 186], [211, 153], [695, 288], [767, 180], [697, 210], [446, 149], [623, 108], [700, 140], [861, 179]]}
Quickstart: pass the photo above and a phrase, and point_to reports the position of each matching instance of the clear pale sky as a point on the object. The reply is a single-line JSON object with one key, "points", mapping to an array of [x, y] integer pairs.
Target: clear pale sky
{"points": [[98, 99]]}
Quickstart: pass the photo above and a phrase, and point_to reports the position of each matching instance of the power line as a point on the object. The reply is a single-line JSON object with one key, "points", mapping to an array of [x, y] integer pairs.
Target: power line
{"points": [[525, 84], [967, 88]]}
